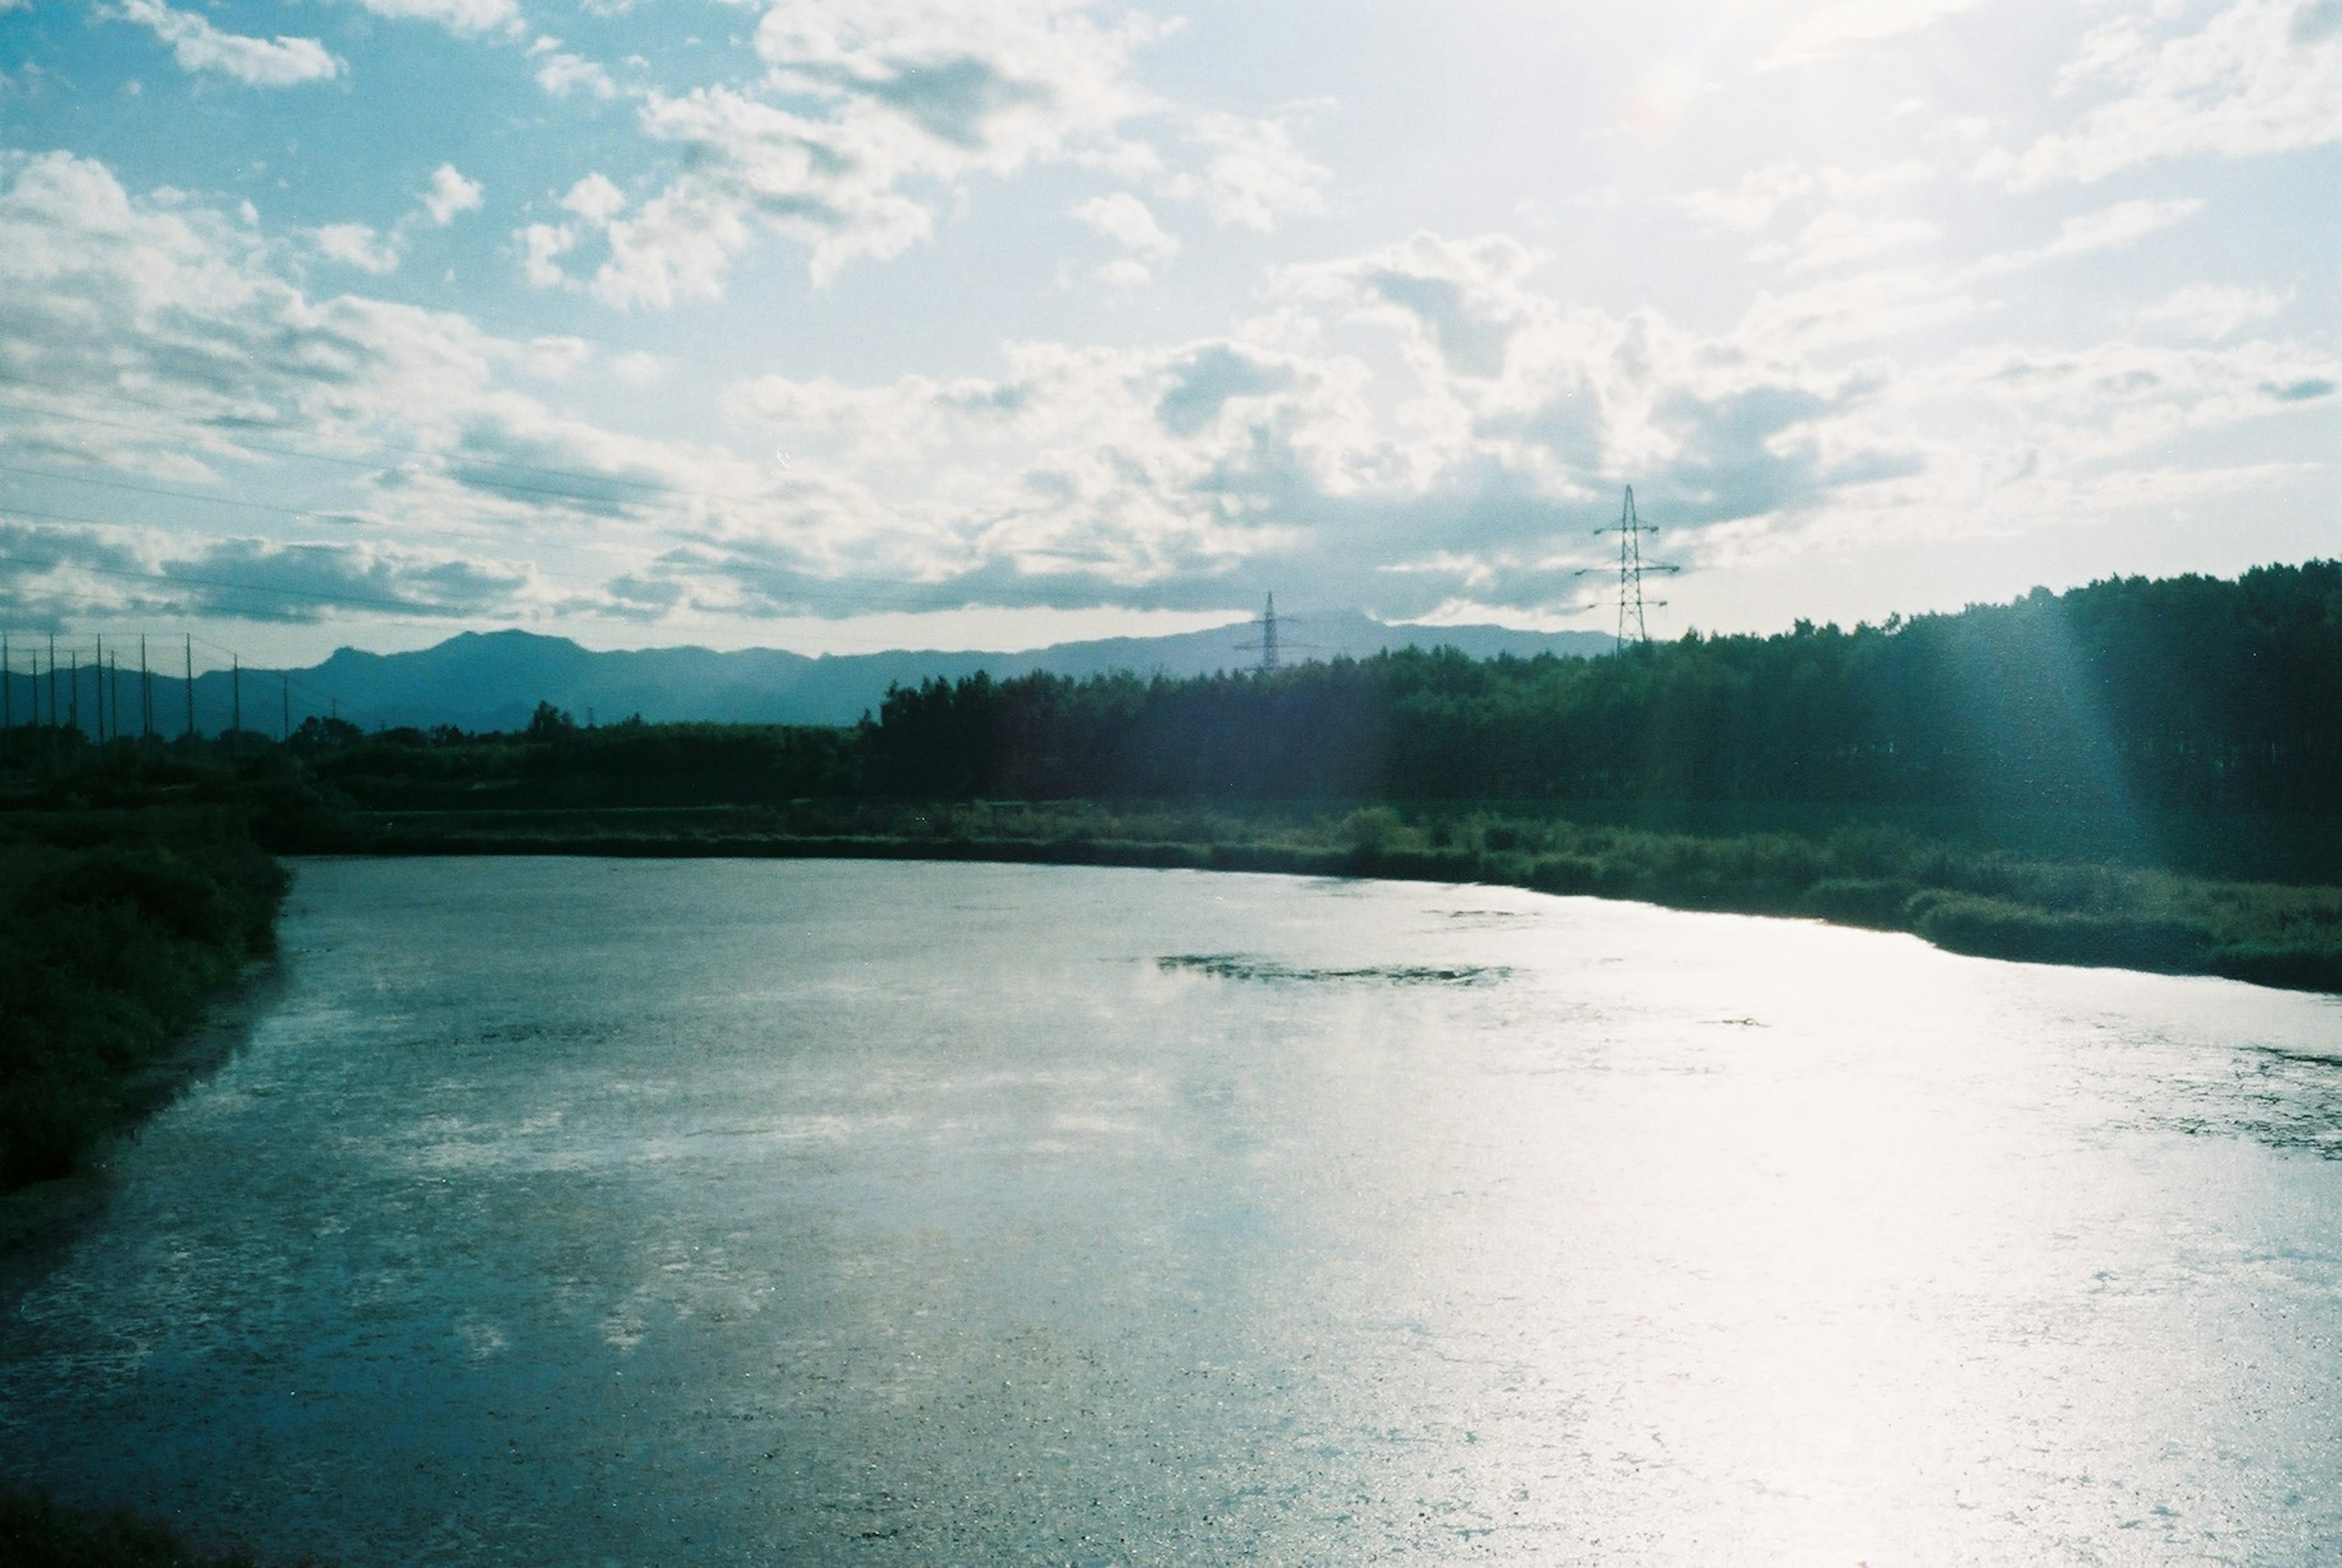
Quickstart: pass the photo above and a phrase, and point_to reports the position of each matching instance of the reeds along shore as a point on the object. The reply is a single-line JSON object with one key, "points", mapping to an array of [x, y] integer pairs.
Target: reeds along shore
{"points": [[1989, 902]]}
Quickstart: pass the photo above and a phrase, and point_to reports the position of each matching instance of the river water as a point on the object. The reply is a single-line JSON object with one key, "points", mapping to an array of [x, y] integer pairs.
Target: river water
{"points": [[583, 1212]]}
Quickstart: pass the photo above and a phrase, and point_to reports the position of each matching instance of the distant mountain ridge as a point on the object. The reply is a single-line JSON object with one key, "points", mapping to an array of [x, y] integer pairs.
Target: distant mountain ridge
{"points": [[493, 680]]}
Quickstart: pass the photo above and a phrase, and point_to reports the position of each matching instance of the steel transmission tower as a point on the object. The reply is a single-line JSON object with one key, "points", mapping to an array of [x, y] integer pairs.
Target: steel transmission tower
{"points": [[1630, 530], [1266, 645]]}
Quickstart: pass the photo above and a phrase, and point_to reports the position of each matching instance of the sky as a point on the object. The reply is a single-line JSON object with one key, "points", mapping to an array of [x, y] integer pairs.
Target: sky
{"points": [[842, 324]]}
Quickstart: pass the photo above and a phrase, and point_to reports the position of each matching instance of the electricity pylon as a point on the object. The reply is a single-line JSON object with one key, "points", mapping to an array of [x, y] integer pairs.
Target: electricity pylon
{"points": [[1272, 645], [1630, 530], [1265, 644]]}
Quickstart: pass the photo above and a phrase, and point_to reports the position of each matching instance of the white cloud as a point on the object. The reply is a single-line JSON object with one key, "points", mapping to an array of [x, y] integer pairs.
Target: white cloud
{"points": [[1126, 219], [101, 291], [465, 17], [358, 245], [865, 102], [362, 246], [596, 199], [1763, 193], [1159, 471], [449, 195], [566, 73], [2260, 77], [198, 46], [1255, 176], [875, 112], [1839, 237], [541, 247], [1125, 272], [1846, 24], [2212, 311], [2110, 228], [2114, 227]]}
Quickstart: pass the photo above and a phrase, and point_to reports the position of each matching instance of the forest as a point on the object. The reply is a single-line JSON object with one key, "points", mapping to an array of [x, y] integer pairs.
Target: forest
{"points": [[2188, 694]]}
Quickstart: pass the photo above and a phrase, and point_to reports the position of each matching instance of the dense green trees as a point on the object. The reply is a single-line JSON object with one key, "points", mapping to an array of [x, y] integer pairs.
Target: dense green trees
{"points": [[2188, 694]]}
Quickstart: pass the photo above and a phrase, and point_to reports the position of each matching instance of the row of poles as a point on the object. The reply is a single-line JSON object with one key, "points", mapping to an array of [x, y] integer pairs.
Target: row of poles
{"points": [[104, 673]]}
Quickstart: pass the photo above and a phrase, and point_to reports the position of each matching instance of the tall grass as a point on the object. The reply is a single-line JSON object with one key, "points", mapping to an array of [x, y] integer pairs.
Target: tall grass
{"points": [[114, 928]]}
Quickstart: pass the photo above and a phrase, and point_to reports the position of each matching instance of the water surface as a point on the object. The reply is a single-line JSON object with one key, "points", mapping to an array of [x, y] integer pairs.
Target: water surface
{"points": [[579, 1212]]}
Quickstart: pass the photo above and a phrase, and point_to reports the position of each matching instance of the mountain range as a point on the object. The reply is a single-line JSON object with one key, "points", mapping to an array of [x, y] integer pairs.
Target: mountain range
{"points": [[493, 680]]}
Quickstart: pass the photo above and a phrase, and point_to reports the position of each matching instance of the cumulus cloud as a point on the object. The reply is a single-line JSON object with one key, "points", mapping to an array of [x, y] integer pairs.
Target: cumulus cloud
{"points": [[2259, 77], [1159, 474], [564, 72], [162, 336], [449, 195], [198, 46], [52, 573], [865, 102], [873, 111], [362, 246], [595, 198], [1425, 426], [358, 245]]}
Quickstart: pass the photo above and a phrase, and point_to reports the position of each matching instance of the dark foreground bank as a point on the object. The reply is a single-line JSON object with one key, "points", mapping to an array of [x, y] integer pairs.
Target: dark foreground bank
{"points": [[117, 925], [36, 1533]]}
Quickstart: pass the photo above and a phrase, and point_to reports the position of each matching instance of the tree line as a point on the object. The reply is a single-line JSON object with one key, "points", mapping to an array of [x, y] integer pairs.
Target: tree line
{"points": [[2181, 693]]}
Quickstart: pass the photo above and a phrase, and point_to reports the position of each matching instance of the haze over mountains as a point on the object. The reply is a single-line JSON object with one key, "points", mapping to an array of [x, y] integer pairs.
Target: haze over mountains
{"points": [[494, 681]]}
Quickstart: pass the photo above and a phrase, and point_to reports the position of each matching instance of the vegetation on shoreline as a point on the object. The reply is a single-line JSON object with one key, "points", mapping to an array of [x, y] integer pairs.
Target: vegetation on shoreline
{"points": [[1961, 897], [2145, 773], [116, 925]]}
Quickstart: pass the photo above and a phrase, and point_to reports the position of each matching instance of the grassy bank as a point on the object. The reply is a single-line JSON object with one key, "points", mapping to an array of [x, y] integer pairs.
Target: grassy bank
{"points": [[1965, 897], [116, 925]]}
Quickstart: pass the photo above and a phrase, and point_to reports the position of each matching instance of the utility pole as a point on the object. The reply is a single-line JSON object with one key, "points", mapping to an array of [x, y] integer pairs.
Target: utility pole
{"points": [[145, 693], [114, 688], [235, 696], [1630, 530], [285, 677], [7, 701], [97, 685], [190, 649], [52, 680]]}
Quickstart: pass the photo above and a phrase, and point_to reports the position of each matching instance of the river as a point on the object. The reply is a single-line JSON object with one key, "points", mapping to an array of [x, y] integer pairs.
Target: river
{"points": [[586, 1212]]}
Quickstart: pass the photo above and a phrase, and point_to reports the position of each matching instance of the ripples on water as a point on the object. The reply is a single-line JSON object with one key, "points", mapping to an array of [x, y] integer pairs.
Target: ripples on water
{"points": [[566, 1212]]}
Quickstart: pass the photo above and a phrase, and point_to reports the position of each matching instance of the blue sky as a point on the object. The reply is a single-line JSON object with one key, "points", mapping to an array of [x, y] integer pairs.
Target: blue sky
{"points": [[865, 323]]}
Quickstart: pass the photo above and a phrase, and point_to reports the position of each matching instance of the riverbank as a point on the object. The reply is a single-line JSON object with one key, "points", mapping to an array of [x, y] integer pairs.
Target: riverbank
{"points": [[118, 930], [1966, 898]]}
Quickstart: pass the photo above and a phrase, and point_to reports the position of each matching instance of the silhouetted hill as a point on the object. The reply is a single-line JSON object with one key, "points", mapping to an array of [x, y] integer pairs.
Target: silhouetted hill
{"points": [[493, 681]]}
